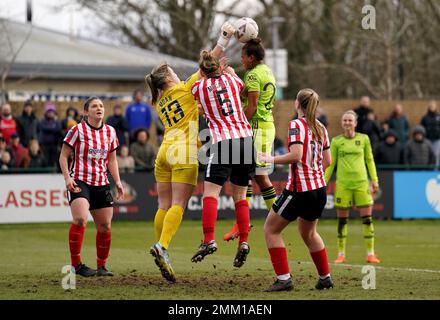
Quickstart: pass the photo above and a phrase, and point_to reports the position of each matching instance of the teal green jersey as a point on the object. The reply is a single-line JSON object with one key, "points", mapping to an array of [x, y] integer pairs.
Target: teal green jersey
{"points": [[352, 157], [260, 79]]}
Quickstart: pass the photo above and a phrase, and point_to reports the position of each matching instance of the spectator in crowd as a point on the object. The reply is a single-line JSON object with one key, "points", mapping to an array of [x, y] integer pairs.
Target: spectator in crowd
{"points": [[389, 151], [125, 161], [418, 151], [72, 118], [20, 152], [142, 151], [321, 116], [118, 122], [138, 113], [4, 148], [8, 125], [50, 135], [384, 128], [400, 124], [372, 129], [362, 113], [431, 123], [27, 124], [36, 157], [5, 161]]}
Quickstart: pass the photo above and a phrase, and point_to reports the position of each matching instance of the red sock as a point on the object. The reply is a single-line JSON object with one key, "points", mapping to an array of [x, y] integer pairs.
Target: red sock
{"points": [[321, 262], [209, 218], [243, 219], [278, 256], [76, 236], [103, 241]]}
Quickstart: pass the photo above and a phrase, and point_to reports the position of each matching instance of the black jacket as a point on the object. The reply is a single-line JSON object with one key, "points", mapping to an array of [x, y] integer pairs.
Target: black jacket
{"points": [[389, 153], [431, 122], [27, 127]]}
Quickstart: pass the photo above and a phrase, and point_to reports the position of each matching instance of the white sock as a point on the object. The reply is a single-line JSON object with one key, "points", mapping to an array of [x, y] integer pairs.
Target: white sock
{"points": [[325, 276], [284, 277]]}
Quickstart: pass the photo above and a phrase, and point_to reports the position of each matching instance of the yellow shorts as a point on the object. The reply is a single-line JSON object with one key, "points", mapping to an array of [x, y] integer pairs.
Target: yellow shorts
{"points": [[170, 169], [263, 136]]}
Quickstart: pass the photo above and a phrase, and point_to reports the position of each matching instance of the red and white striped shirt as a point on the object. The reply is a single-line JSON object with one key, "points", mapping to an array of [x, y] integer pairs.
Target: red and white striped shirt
{"points": [[220, 99], [91, 147], [307, 174]]}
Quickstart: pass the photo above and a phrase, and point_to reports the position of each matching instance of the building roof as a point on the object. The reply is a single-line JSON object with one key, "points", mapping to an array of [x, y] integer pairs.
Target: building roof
{"points": [[55, 55]]}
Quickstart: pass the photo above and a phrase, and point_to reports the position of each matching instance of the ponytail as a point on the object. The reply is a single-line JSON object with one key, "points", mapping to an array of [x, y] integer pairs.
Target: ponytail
{"points": [[309, 100], [156, 80], [209, 65]]}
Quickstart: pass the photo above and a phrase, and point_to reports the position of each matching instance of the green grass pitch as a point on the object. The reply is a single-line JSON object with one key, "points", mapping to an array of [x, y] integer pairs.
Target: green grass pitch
{"points": [[32, 256]]}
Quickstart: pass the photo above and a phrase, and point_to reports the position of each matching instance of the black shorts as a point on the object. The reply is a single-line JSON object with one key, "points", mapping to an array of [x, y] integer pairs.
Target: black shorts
{"points": [[307, 205], [97, 196], [233, 159]]}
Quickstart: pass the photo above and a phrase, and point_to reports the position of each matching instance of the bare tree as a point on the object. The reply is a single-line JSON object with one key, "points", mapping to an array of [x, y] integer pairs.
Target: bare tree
{"points": [[8, 54]]}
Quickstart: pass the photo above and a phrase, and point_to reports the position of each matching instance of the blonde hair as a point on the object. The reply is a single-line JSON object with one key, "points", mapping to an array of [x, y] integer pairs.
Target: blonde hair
{"points": [[157, 79], [209, 64], [351, 112], [309, 100]]}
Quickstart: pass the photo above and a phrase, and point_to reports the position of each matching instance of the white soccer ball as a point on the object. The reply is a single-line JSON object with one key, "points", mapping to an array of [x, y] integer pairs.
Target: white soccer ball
{"points": [[247, 29]]}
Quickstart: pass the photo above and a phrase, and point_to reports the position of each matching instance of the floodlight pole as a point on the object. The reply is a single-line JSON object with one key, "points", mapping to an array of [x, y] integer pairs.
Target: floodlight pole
{"points": [[276, 21]]}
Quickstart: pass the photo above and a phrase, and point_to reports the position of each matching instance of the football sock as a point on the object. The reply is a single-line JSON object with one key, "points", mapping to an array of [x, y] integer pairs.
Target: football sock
{"points": [[243, 219], [249, 193], [368, 231], [278, 256], [158, 222], [342, 235], [76, 236], [321, 262], [269, 196], [103, 241], [171, 224], [209, 218]]}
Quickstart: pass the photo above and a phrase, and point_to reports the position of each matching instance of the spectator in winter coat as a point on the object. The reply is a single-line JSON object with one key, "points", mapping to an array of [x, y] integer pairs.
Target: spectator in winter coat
{"points": [[27, 124], [72, 118], [362, 113], [142, 151], [418, 151], [50, 135], [8, 125], [138, 113], [431, 123], [125, 161], [389, 151], [118, 122], [400, 124], [20, 153], [36, 157]]}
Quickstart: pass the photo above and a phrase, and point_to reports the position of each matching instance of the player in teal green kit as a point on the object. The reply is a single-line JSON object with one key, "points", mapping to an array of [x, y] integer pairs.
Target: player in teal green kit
{"points": [[352, 155]]}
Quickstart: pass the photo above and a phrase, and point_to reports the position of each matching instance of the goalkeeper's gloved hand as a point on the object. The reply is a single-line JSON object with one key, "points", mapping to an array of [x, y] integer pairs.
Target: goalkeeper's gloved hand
{"points": [[226, 33]]}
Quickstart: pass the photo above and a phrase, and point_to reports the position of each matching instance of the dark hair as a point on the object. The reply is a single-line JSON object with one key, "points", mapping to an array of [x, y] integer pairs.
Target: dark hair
{"points": [[88, 101], [157, 79], [254, 47], [209, 64]]}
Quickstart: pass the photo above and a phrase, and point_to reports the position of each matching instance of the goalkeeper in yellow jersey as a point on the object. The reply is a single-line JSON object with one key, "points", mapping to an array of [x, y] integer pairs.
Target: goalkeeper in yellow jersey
{"points": [[352, 155]]}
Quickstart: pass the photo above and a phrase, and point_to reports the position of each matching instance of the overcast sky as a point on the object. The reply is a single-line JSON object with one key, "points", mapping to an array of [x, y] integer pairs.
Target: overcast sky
{"points": [[45, 15]]}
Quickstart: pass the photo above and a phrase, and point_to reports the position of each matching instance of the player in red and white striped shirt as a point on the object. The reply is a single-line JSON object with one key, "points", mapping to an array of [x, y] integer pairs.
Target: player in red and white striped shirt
{"points": [[231, 153], [307, 174], [220, 99], [93, 145], [305, 195]]}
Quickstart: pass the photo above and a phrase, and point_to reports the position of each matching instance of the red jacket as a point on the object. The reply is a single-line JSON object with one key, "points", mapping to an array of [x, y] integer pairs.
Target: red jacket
{"points": [[7, 128]]}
